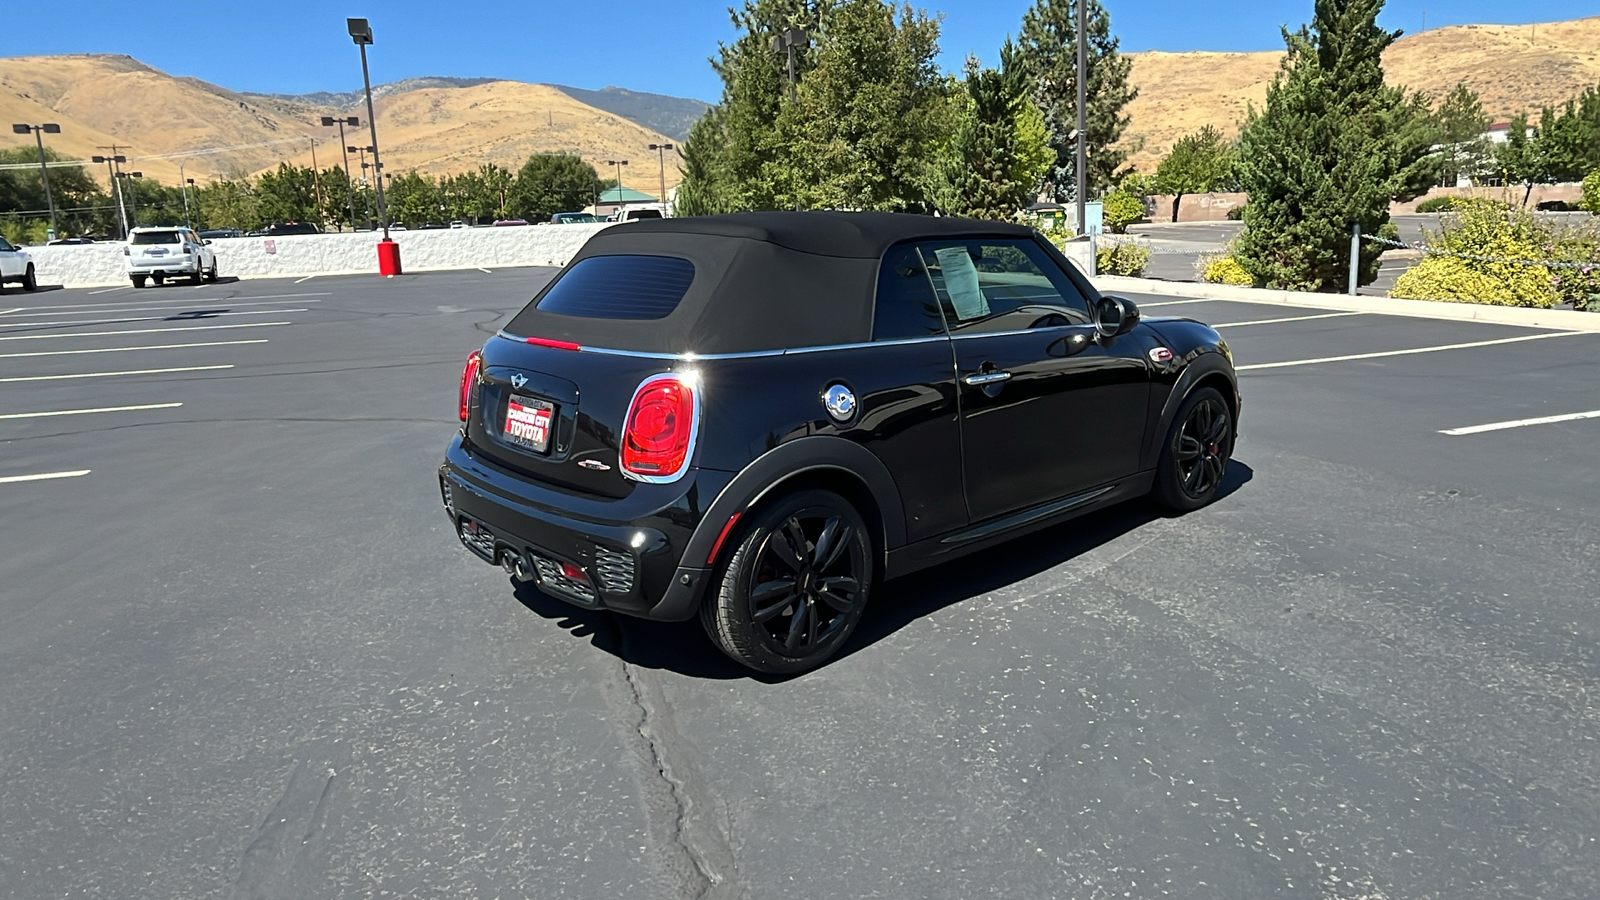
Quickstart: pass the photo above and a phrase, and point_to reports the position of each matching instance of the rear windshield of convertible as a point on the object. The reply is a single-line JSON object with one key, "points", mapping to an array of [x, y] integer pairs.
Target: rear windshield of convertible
{"points": [[618, 287]]}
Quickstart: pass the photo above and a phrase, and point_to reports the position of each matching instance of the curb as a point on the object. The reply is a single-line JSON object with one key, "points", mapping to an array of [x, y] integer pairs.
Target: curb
{"points": [[1564, 319], [419, 270]]}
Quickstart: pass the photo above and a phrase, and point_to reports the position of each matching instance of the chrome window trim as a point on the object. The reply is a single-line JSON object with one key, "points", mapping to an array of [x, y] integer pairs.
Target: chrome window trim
{"points": [[755, 354]]}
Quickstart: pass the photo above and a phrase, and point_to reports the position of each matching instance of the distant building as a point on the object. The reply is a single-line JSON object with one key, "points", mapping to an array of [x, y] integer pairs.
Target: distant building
{"points": [[614, 199]]}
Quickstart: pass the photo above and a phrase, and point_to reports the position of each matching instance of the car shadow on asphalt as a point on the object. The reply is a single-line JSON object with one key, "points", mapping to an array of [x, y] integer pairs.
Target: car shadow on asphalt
{"points": [[683, 647]]}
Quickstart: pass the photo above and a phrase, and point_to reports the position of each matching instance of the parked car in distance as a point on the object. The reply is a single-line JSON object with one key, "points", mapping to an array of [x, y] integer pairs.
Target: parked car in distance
{"points": [[282, 229], [755, 418], [432, 226], [510, 221], [574, 218], [457, 223], [60, 242], [156, 254], [16, 267], [221, 233]]}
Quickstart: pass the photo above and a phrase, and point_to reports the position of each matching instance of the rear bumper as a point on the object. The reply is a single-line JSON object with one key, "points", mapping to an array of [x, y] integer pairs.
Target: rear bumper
{"points": [[177, 265], [629, 551]]}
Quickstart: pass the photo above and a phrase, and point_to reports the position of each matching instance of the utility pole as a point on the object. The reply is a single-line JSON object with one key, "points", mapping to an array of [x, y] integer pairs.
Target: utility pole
{"points": [[183, 185], [1082, 164], [316, 179], [661, 153], [113, 169], [349, 190]]}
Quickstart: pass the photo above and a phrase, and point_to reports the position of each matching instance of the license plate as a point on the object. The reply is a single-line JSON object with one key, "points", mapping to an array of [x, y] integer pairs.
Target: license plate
{"points": [[528, 422]]}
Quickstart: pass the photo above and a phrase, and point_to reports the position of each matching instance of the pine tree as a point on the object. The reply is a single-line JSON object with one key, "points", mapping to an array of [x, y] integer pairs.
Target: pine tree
{"points": [[998, 149], [1048, 46], [1462, 123], [1333, 147]]}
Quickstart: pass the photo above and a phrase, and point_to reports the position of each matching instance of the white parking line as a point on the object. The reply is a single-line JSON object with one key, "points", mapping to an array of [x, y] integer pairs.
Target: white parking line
{"points": [[45, 476], [113, 374], [1287, 319], [1328, 359], [1180, 302], [106, 291], [484, 271], [125, 349], [307, 278], [83, 412], [1522, 423], [75, 334], [107, 309], [196, 318], [234, 300]]}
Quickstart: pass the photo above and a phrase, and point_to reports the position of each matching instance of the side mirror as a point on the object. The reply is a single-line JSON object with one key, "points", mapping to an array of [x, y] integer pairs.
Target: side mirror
{"points": [[1115, 316], [208, 242]]}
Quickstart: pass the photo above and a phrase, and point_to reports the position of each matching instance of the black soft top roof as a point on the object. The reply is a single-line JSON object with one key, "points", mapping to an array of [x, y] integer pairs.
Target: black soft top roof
{"points": [[763, 281]]}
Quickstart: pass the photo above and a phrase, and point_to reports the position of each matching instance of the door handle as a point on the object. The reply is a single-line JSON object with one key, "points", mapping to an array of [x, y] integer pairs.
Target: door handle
{"points": [[983, 378]]}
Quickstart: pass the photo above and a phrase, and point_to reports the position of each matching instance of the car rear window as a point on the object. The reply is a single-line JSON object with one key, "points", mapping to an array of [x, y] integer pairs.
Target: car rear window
{"points": [[154, 237], [619, 287]]}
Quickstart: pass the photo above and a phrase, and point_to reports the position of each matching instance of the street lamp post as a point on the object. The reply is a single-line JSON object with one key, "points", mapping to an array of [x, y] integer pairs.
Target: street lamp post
{"points": [[39, 131], [349, 190], [785, 42], [361, 33], [661, 154], [112, 175], [1082, 161], [183, 186], [132, 196], [616, 164]]}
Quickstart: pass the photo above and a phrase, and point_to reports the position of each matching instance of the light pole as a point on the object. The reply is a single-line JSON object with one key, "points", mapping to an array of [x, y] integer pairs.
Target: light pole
{"points": [[116, 183], [39, 131], [617, 164], [133, 197], [1082, 164], [349, 191], [183, 185], [785, 42], [661, 153], [361, 33]]}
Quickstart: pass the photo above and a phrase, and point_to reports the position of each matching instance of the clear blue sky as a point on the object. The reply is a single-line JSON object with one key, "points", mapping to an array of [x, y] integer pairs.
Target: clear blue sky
{"points": [[291, 46]]}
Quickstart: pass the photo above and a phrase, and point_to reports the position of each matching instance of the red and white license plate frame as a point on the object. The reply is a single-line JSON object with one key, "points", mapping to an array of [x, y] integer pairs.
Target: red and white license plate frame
{"points": [[527, 422]]}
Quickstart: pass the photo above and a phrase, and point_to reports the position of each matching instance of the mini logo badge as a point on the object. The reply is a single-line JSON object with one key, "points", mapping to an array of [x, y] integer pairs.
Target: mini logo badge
{"points": [[1161, 355], [519, 379], [840, 403]]}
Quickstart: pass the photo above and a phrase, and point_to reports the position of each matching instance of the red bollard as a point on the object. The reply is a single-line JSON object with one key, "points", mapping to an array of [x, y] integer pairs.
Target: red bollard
{"points": [[388, 258]]}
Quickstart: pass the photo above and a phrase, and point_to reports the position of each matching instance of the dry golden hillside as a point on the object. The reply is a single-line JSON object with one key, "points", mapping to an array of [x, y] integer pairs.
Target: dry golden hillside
{"points": [[102, 99], [1512, 68], [441, 131]]}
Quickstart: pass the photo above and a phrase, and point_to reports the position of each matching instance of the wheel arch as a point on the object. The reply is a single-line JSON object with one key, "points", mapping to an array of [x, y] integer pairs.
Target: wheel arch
{"points": [[1209, 369], [829, 463]]}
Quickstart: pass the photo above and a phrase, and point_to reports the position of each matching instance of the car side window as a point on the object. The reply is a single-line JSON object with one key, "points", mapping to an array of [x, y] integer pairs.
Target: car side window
{"points": [[906, 306], [989, 285], [5, 246]]}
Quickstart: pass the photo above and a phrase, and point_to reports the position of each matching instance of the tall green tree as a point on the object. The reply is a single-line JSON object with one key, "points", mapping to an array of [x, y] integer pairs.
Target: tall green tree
{"points": [[862, 130], [1332, 148], [998, 153], [229, 203], [82, 206], [549, 183], [1199, 163], [288, 194], [1523, 159], [1049, 47], [412, 199], [1570, 139], [1462, 124]]}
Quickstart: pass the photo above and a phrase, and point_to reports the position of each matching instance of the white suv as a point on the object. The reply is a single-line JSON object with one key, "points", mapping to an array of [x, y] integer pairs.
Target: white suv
{"points": [[16, 266], [159, 253]]}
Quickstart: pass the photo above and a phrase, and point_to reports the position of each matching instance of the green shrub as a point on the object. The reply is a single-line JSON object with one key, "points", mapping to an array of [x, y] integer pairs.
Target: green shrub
{"points": [[1437, 205], [1236, 213], [1483, 228], [1121, 259], [1121, 210], [1137, 184], [1225, 270], [1591, 192]]}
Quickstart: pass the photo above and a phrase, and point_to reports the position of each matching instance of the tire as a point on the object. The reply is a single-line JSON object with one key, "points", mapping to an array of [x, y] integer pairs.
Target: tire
{"points": [[138, 280], [1194, 456], [211, 276], [748, 617], [158, 279], [30, 279]]}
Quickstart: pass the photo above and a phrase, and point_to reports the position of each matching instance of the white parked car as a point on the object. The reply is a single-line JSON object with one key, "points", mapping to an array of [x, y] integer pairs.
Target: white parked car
{"points": [[156, 254], [16, 267]]}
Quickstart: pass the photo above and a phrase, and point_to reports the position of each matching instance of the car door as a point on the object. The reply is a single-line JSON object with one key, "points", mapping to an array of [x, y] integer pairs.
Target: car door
{"points": [[11, 265], [1048, 408]]}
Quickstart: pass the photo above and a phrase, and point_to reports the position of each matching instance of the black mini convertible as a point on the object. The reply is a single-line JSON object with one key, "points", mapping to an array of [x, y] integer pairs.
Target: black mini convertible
{"points": [[754, 418]]}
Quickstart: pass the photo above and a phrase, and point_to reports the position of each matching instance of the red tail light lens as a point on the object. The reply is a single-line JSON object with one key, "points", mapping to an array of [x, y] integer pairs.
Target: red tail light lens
{"points": [[469, 377], [659, 436]]}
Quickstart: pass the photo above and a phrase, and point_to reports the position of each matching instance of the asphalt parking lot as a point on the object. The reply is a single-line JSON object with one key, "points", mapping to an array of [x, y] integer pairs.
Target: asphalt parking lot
{"points": [[244, 656]]}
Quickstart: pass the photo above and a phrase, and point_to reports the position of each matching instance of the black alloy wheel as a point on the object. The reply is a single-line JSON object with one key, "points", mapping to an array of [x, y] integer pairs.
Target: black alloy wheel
{"points": [[1195, 455], [795, 586]]}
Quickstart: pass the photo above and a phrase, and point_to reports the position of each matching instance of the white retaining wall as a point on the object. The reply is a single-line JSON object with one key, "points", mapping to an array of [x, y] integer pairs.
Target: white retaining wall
{"points": [[90, 265]]}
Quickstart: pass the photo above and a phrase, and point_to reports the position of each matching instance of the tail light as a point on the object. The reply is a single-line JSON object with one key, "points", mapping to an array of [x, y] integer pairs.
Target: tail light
{"points": [[469, 377], [659, 438]]}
